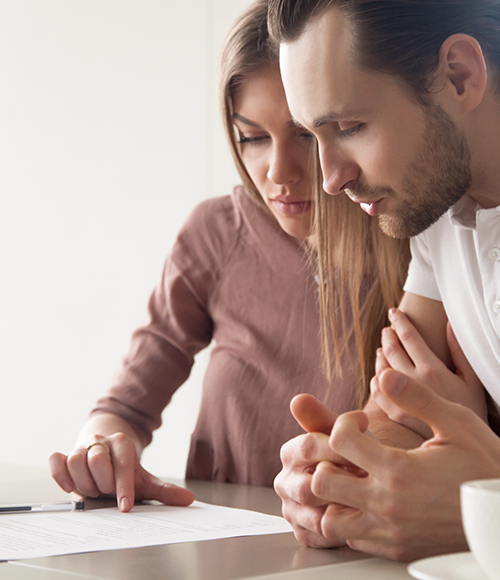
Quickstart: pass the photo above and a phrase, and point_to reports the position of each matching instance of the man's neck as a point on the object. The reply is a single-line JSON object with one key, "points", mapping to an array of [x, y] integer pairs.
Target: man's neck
{"points": [[484, 140]]}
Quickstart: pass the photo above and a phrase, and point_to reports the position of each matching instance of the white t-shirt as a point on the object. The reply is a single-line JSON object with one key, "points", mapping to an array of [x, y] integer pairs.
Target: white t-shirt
{"points": [[457, 261]]}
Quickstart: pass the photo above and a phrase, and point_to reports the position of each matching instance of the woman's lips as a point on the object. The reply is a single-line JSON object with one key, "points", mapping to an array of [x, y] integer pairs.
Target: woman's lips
{"points": [[292, 208]]}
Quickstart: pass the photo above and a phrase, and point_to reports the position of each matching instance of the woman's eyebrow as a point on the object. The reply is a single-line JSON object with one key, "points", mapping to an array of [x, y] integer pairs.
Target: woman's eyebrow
{"points": [[238, 117]]}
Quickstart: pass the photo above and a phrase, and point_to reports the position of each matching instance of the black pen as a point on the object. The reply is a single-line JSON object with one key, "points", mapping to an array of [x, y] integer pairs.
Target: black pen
{"points": [[71, 506]]}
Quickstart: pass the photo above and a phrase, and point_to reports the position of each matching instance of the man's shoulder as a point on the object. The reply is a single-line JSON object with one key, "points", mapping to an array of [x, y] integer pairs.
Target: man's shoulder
{"points": [[440, 230]]}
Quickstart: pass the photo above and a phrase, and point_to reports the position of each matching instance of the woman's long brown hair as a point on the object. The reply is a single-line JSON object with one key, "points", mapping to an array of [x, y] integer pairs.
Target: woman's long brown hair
{"points": [[361, 271], [361, 275]]}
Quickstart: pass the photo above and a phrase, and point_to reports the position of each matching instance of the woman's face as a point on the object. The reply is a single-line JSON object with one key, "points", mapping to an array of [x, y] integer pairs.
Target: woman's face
{"points": [[276, 152]]}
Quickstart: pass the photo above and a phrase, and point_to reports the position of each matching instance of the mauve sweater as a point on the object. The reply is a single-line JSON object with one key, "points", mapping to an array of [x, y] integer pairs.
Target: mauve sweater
{"points": [[233, 276]]}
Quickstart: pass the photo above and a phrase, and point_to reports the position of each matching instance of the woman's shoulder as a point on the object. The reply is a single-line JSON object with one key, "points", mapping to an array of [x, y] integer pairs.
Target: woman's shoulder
{"points": [[226, 216], [227, 210], [214, 226], [216, 212], [219, 227]]}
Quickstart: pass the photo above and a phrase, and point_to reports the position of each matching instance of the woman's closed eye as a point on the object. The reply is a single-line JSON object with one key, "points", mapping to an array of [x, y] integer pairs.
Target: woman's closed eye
{"points": [[306, 135], [252, 140]]}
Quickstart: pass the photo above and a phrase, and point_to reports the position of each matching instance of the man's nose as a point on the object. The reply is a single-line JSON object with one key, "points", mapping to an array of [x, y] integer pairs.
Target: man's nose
{"points": [[338, 171]]}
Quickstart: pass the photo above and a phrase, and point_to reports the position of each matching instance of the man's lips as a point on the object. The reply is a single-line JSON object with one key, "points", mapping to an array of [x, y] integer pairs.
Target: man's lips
{"points": [[371, 207], [292, 208]]}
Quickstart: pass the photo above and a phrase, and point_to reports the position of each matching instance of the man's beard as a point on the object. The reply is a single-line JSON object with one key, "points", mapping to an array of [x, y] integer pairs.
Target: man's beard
{"points": [[438, 178]]}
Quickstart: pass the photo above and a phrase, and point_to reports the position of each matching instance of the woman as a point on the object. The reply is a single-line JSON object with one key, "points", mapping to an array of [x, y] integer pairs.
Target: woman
{"points": [[242, 273]]}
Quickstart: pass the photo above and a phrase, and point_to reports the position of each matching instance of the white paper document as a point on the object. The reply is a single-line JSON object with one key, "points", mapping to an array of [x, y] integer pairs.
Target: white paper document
{"points": [[38, 535]]}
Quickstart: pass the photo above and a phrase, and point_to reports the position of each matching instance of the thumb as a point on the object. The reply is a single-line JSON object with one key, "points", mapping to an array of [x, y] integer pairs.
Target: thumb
{"points": [[312, 415], [418, 400], [153, 488]]}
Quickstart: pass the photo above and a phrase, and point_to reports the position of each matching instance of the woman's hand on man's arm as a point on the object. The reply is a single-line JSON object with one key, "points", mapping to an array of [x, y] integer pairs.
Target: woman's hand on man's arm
{"points": [[327, 503], [405, 350]]}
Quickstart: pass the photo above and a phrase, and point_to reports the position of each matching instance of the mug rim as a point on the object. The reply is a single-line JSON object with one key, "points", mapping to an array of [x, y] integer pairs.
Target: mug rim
{"points": [[482, 486]]}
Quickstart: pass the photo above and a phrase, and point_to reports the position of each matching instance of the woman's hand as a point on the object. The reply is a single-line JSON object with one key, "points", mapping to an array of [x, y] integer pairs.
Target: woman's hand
{"points": [[404, 350], [108, 466]]}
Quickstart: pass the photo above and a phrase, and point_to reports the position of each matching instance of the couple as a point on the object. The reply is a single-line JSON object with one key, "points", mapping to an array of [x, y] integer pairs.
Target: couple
{"points": [[243, 273], [402, 99]]}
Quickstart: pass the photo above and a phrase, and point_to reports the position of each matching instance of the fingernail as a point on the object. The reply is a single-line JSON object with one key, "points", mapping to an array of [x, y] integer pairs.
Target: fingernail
{"points": [[124, 504], [385, 330], [393, 313], [67, 486], [380, 352]]}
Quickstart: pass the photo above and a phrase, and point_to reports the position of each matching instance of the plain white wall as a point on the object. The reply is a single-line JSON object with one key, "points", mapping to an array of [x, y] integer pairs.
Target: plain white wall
{"points": [[109, 135]]}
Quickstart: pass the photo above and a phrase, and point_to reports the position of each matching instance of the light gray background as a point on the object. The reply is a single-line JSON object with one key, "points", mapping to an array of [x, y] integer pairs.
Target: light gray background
{"points": [[109, 135]]}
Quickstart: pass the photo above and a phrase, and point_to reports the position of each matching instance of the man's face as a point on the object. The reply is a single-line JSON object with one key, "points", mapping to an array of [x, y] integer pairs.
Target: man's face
{"points": [[403, 162]]}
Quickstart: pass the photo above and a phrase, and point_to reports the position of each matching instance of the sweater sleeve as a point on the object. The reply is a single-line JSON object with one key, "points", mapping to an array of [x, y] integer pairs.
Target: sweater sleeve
{"points": [[178, 325]]}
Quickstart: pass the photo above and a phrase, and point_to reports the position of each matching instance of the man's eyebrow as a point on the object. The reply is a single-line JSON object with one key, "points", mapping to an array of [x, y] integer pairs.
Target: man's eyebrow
{"points": [[332, 117], [239, 117], [328, 118]]}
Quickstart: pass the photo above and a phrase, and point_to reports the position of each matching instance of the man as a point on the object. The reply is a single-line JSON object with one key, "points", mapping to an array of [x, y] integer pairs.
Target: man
{"points": [[403, 98]]}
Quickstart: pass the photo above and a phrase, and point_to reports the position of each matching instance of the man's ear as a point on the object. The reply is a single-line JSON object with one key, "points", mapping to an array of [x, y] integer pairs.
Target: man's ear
{"points": [[462, 70]]}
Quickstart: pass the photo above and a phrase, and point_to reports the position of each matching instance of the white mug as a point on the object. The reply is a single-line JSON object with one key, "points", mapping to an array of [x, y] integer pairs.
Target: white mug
{"points": [[480, 501]]}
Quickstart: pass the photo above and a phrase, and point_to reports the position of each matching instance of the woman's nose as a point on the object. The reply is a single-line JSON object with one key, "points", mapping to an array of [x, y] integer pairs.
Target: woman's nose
{"points": [[285, 166]]}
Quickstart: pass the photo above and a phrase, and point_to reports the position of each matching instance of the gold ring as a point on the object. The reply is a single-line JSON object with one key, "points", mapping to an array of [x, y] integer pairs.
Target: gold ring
{"points": [[89, 447]]}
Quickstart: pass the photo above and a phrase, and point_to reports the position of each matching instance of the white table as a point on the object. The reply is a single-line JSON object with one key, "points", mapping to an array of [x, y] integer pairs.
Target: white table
{"points": [[274, 557]]}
